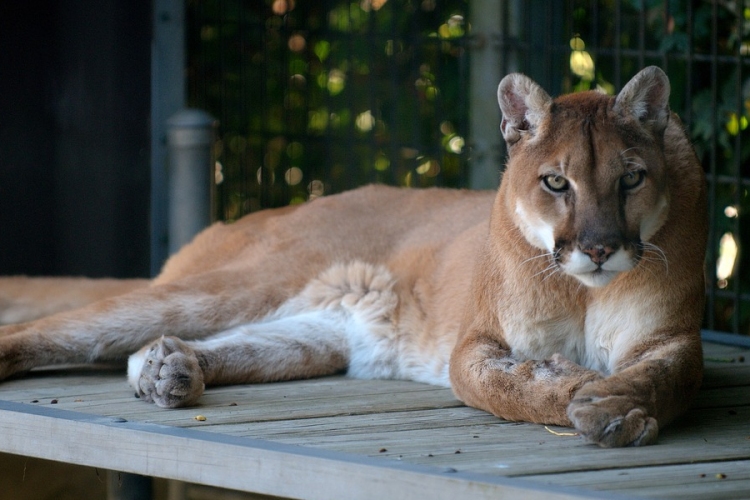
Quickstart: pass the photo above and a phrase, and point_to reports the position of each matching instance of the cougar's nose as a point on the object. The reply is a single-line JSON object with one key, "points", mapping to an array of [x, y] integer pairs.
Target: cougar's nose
{"points": [[598, 253]]}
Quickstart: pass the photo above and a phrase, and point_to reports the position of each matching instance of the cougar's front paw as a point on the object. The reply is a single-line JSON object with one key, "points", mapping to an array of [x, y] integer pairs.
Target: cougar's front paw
{"points": [[166, 373], [611, 421]]}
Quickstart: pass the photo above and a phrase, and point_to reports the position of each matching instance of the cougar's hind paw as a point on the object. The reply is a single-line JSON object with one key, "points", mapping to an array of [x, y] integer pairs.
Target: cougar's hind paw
{"points": [[166, 373]]}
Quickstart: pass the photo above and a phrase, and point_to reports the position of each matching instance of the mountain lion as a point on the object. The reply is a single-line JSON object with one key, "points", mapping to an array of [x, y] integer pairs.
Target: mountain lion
{"points": [[572, 296]]}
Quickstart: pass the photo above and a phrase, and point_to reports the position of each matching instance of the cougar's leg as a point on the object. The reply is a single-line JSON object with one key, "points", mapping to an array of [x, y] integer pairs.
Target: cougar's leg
{"points": [[24, 299], [113, 328], [172, 373], [342, 319]]}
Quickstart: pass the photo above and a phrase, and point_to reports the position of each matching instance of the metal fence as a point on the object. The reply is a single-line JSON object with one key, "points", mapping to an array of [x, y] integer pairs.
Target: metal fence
{"points": [[317, 97]]}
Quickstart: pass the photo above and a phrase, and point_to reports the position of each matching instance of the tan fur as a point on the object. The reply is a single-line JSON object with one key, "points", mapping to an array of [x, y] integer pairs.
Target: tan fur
{"points": [[574, 306], [24, 299]]}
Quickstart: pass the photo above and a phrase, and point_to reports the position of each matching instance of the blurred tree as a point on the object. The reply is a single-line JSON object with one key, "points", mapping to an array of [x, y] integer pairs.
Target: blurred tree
{"points": [[318, 97]]}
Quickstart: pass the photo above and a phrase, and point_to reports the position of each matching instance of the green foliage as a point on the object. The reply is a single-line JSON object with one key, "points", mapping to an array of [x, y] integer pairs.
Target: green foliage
{"points": [[317, 97], [361, 91]]}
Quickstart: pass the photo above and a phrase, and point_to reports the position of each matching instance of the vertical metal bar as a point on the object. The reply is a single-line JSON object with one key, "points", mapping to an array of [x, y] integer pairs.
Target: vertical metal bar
{"points": [[125, 486], [711, 251], [259, 179], [167, 97], [565, 49], [737, 164], [594, 27], [329, 144], [618, 44], [642, 34], [190, 139], [244, 126], [688, 108], [488, 65], [416, 129], [230, 168], [526, 36], [463, 92], [553, 84], [372, 41], [351, 140], [664, 56]]}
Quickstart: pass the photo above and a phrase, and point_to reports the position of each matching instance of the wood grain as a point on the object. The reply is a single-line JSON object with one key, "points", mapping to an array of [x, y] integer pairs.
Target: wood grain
{"points": [[342, 438]]}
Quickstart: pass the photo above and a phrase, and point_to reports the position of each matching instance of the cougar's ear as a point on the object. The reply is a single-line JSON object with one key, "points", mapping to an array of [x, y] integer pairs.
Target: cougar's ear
{"points": [[524, 104], [646, 98]]}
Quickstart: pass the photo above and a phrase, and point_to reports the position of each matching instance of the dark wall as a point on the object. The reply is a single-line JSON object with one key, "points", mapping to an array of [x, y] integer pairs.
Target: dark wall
{"points": [[74, 137], [27, 150]]}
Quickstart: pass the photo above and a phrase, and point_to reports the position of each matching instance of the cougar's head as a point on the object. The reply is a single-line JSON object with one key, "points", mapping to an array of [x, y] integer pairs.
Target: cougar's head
{"points": [[586, 175]]}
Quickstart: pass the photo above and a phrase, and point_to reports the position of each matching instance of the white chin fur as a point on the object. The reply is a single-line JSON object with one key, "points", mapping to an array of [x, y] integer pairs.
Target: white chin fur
{"points": [[581, 267], [597, 279]]}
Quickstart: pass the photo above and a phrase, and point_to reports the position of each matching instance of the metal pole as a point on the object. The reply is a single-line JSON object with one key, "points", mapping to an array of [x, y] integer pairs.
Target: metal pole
{"points": [[484, 113], [168, 92], [121, 486], [190, 138]]}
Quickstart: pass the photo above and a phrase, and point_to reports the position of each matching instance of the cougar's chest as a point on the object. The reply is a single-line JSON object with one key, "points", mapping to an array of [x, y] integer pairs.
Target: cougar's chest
{"points": [[617, 322], [593, 336], [534, 337]]}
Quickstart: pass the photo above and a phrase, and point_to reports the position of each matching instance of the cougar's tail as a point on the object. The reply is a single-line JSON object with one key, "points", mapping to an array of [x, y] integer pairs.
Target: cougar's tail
{"points": [[24, 299]]}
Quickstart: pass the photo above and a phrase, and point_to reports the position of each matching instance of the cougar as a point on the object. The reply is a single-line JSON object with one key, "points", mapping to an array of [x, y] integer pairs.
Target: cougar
{"points": [[572, 295]]}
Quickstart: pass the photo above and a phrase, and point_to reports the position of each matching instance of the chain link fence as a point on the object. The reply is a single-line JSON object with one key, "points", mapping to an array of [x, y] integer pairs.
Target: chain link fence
{"points": [[317, 97]]}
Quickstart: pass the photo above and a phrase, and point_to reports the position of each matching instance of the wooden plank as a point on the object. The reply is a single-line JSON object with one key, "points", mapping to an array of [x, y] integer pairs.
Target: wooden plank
{"points": [[726, 375], [108, 394], [720, 480], [281, 401], [392, 423], [731, 339], [520, 457], [241, 463], [503, 448], [711, 350], [722, 397]]}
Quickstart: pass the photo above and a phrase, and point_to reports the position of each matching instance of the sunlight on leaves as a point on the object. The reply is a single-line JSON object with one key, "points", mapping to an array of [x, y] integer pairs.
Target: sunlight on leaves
{"points": [[727, 256], [364, 121]]}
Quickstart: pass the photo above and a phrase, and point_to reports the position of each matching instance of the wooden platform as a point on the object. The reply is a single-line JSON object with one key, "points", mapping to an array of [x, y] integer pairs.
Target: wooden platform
{"points": [[351, 439]]}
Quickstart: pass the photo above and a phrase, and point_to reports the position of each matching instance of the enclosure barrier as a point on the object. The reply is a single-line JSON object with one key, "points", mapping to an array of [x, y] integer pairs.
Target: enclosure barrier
{"points": [[190, 138]]}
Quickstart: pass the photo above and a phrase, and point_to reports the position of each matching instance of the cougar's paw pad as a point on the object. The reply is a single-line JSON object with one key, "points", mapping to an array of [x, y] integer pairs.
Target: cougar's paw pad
{"points": [[166, 373], [601, 421]]}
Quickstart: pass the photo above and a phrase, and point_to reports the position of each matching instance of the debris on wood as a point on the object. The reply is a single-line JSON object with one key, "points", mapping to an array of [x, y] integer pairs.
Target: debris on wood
{"points": [[560, 433]]}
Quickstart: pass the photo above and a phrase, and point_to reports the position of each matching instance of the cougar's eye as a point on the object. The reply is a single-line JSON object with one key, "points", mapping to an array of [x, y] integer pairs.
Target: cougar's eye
{"points": [[556, 183], [632, 179]]}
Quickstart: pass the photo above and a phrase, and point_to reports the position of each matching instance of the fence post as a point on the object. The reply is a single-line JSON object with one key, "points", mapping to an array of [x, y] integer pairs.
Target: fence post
{"points": [[122, 486], [168, 91], [190, 139], [485, 73]]}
